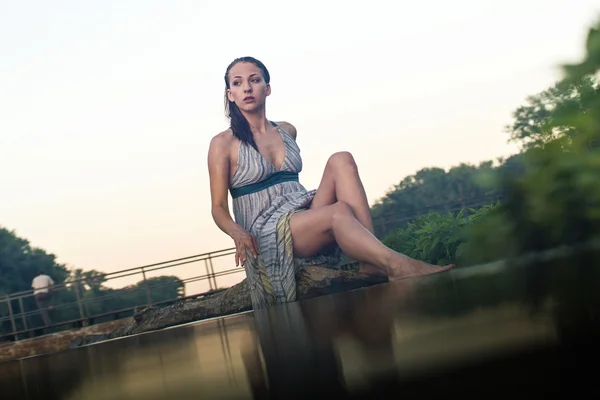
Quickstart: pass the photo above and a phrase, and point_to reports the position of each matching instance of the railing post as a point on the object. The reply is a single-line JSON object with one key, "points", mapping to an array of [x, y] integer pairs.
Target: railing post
{"points": [[78, 295], [212, 271], [10, 313], [23, 318], [210, 284], [148, 296]]}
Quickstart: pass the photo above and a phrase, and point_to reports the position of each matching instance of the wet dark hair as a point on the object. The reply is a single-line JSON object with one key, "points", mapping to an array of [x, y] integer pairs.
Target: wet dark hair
{"points": [[238, 123]]}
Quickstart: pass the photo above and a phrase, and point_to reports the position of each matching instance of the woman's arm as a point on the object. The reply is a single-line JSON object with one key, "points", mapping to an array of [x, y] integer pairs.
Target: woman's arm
{"points": [[218, 171]]}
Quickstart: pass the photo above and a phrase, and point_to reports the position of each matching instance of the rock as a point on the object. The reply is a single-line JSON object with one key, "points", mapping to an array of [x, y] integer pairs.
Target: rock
{"points": [[311, 282]]}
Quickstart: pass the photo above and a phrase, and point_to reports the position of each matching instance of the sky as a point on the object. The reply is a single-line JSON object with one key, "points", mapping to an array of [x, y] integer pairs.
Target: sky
{"points": [[107, 108]]}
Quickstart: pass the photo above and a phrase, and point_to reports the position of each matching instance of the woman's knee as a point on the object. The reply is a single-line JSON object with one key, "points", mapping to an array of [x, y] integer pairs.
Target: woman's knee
{"points": [[342, 159], [341, 209]]}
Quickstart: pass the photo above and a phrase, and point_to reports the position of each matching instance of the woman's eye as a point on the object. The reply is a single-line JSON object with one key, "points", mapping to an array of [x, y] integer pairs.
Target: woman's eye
{"points": [[255, 80], [236, 84]]}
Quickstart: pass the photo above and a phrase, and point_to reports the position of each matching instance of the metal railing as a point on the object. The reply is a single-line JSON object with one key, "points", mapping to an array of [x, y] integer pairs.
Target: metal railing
{"points": [[79, 303]]}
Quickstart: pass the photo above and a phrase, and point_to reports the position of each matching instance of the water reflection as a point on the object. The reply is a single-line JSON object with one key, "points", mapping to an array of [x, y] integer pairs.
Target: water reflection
{"points": [[433, 335]]}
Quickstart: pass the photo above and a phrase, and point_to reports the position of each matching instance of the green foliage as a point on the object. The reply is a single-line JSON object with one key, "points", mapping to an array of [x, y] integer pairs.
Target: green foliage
{"points": [[435, 190], [556, 202], [437, 238], [547, 117]]}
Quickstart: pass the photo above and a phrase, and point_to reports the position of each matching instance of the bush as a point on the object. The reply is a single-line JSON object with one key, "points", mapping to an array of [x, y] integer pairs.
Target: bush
{"points": [[437, 238]]}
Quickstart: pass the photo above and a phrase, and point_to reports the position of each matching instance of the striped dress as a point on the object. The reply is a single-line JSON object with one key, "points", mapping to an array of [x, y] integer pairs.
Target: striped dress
{"points": [[263, 205]]}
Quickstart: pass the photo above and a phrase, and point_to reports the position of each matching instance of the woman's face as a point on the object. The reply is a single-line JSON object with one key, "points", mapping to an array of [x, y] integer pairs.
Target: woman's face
{"points": [[247, 87]]}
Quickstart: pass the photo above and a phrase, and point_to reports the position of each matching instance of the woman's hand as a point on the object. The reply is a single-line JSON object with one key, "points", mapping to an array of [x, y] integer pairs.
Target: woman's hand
{"points": [[243, 240]]}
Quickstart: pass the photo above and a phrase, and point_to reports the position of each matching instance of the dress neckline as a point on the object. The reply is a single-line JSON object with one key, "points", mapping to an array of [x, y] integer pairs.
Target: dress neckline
{"points": [[272, 166]]}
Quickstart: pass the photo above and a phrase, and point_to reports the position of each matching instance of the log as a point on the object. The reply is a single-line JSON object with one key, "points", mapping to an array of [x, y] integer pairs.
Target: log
{"points": [[311, 282]]}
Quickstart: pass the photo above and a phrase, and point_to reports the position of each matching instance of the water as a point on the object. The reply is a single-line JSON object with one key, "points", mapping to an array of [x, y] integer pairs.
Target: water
{"points": [[489, 331]]}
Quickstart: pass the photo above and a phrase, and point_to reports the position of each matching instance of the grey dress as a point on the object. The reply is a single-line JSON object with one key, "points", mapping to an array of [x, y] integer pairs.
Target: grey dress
{"points": [[265, 214]]}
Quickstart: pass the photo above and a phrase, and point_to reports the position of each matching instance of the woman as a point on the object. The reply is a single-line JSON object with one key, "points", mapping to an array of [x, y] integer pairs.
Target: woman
{"points": [[280, 226]]}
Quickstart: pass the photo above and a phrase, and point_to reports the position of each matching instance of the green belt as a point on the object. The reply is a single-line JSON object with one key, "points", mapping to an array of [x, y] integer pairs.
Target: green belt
{"points": [[277, 177]]}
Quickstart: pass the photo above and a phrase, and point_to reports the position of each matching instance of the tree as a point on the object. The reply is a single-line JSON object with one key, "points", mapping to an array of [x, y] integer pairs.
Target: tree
{"points": [[547, 116], [434, 190], [20, 263], [165, 288]]}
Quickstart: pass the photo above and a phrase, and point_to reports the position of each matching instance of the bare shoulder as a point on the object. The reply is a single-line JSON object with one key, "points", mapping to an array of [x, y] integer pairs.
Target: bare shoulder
{"points": [[222, 142], [289, 128]]}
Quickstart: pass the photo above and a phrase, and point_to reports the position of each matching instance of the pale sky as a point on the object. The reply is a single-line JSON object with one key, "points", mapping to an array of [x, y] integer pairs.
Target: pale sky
{"points": [[107, 108]]}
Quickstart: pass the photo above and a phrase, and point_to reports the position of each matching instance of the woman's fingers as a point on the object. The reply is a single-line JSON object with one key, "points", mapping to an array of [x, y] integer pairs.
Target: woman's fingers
{"points": [[242, 255], [255, 244], [250, 245]]}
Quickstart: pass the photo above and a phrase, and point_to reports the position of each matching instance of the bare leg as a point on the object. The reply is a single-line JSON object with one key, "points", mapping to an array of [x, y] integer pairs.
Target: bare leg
{"points": [[42, 301], [314, 229], [341, 182]]}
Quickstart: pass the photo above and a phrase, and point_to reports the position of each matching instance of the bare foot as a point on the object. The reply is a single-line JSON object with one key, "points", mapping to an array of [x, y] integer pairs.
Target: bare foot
{"points": [[406, 267]]}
